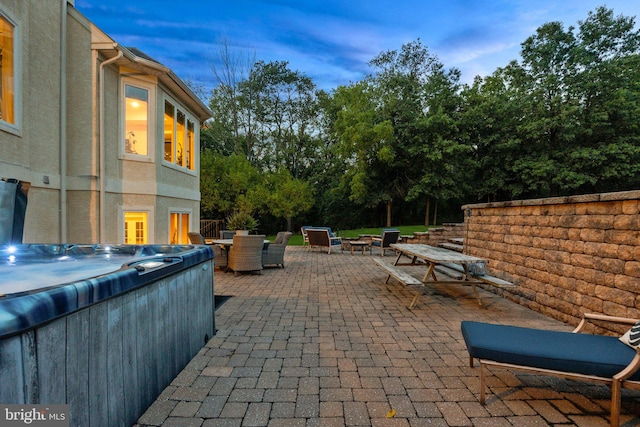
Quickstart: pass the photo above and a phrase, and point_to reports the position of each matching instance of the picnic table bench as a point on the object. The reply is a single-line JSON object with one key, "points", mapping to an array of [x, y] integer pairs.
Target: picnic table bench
{"points": [[397, 273]]}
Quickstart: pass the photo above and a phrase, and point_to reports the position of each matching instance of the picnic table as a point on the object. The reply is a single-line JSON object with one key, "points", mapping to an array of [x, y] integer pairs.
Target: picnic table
{"points": [[434, 256]]}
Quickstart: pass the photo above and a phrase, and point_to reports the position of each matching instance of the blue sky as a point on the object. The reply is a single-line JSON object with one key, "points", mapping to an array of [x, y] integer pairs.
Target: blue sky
{"points": [[332, 41]]}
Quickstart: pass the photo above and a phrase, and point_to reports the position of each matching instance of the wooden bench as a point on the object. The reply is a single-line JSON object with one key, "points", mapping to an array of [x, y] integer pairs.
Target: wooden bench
{"points": [[495, 281], [397, 273], [452, 246]]}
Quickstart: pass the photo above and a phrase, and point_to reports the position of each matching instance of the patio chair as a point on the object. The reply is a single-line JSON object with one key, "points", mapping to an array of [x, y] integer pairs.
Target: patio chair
{"points": [[196, 238], [321, 237], [274, 253], [246, 253], [603, 359], [389, 236], [219, 254], [227, 234]]}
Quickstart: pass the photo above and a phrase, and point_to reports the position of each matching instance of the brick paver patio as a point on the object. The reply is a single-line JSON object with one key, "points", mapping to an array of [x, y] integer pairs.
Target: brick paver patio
{"points": [[324, 342]]}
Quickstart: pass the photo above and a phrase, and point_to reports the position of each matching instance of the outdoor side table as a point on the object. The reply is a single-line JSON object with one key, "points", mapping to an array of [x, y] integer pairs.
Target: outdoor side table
{"points": [[359, 244]]}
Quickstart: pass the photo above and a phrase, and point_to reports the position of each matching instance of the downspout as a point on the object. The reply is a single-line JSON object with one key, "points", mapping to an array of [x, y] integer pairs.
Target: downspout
{"points": [[101, 142], [63, 123]]}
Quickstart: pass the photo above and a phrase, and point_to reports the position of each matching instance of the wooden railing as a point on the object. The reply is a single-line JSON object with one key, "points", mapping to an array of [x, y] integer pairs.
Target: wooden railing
{"points": [[210, 228]]}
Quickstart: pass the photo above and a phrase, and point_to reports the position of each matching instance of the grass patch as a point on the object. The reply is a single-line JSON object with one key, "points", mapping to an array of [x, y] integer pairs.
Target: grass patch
{"points": [[296, 239]]}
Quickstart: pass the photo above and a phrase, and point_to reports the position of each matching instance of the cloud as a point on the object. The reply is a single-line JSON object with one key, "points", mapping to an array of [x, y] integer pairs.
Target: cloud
{"points": [[332, 41]]}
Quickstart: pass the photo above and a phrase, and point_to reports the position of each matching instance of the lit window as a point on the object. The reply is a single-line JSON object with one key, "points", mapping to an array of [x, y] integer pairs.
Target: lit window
{"points": [[179, 137], [168, 131], [135, 228], [7, 72], [136, 120], [179, 228], [190, 144]]}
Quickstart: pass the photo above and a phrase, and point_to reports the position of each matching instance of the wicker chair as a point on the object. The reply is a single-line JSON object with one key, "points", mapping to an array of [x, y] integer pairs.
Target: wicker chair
{"points": [[246, 253], [274, 254], [196, 239], [219, 254]]}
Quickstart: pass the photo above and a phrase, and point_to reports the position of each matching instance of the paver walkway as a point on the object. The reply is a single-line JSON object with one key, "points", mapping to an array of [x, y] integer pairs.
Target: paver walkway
{"points": [[324, 342]]}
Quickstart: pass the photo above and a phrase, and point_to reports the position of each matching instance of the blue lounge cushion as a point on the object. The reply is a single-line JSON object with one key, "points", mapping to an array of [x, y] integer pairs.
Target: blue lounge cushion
{"points": [[586, 354]]}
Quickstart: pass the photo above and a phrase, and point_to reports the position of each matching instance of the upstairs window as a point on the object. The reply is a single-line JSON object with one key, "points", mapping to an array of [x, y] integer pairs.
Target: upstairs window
{"points": [[7, 71], [137, 118], [179, 136], [169, 136]]}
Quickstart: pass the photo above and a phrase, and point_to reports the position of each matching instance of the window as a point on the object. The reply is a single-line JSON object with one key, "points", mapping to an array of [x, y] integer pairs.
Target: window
{"points": [[179, 136], [179, 228], [7, 71], [168, 131], [180, 139], [136, 228], [190, 144], [136, 127]]}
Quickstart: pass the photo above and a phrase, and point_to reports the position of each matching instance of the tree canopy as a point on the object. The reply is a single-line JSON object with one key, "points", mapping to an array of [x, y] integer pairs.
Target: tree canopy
{"points": [[561, 120]]}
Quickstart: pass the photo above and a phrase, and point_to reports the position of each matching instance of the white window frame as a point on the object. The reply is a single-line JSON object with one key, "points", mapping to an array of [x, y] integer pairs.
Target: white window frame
{"points": [[188, 118], [179, 211], [15, 128], [149, 210], [151, 120]]}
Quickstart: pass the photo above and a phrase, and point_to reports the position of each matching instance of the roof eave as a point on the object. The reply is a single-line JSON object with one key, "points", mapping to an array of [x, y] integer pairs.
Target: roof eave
{"points": [[163, 73]]}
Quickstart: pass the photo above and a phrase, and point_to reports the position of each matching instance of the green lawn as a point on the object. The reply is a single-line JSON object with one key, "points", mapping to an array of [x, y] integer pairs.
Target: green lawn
{"points": [[296, 239]]}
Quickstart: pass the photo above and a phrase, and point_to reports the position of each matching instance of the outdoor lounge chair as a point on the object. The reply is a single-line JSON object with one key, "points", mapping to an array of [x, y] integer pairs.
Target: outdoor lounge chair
{"points": [[246, 253], [389, 236], [578, 356], [322, 237], [274, 253], [303, 231]]}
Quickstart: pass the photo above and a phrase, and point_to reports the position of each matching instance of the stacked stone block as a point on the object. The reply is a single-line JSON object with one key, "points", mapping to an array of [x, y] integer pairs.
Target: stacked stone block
{"points": [[435, 236], [568, 255]]}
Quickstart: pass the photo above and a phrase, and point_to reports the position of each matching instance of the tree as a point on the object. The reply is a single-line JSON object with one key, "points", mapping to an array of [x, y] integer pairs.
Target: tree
{"points": [[608, 55], [284, 109], [440, 155], [560, 121], [419, 98], [286, 197], [230, 67], [365, 144], [225, 184]]}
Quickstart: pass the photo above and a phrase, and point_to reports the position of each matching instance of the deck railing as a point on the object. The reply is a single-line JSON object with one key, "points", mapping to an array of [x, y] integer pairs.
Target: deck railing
{"points": [[210, 228]]}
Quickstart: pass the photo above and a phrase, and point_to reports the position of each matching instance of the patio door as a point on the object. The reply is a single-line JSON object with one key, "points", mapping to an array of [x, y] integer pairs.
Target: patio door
{"points": [[135, 228], [179, 228]]}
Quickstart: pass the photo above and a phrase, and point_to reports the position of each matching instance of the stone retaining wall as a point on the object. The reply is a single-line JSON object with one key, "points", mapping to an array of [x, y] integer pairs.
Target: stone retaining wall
{"points": [[568, 255], [438, 235]]}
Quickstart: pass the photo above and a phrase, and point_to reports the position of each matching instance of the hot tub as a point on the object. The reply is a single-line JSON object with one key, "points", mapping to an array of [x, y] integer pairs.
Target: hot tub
{"points": [[103, 328]]}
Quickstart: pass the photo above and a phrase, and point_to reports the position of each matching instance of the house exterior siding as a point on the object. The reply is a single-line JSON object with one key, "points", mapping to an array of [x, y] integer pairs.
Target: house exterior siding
{"points": [[71, 118]]}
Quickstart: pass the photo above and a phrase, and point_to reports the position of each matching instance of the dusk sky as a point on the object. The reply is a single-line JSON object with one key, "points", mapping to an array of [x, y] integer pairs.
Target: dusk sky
{"points": [[332, 41]]}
